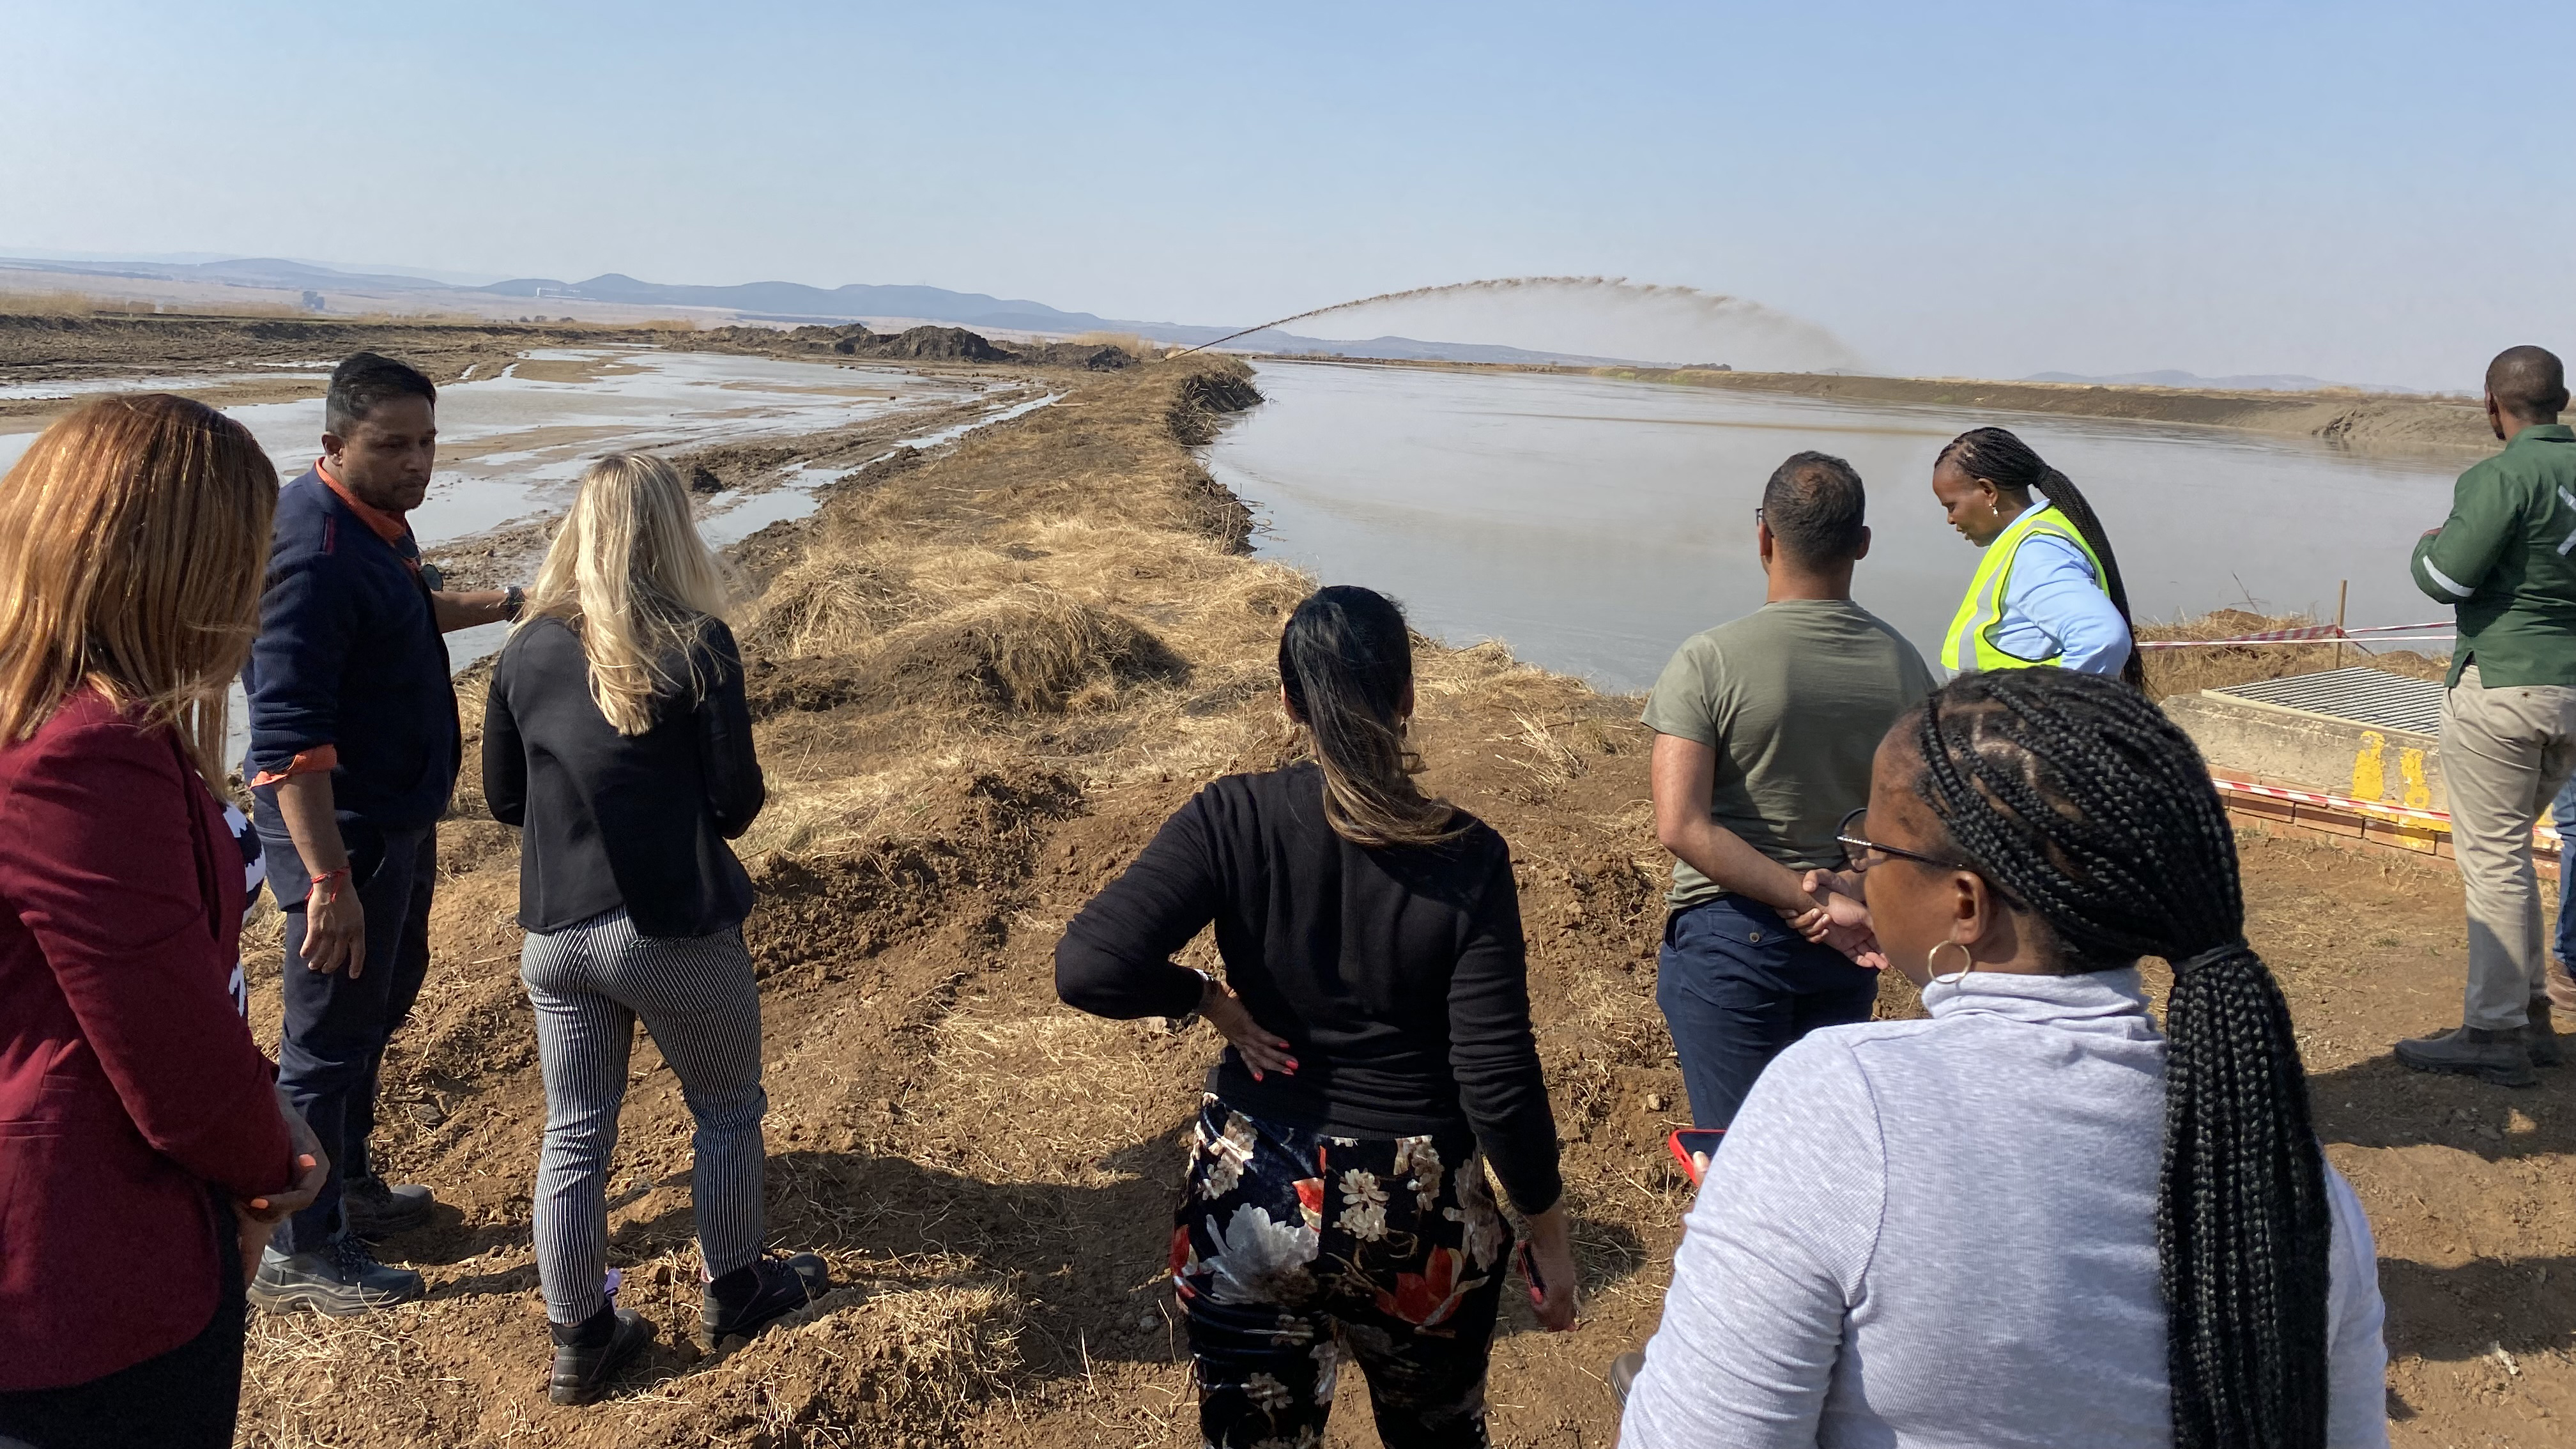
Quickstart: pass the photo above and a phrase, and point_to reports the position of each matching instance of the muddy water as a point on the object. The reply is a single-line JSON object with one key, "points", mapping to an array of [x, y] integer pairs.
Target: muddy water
{"points": [[1594, 524], [512, 446]]}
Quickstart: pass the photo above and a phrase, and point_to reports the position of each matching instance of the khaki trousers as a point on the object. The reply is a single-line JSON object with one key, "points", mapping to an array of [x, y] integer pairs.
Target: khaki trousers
{"points": [[2505, 753]]}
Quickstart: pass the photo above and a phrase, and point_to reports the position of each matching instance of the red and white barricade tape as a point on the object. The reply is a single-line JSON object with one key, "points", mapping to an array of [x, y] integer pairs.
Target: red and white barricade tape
{"points": [[2312, 634], [2546, 834]]}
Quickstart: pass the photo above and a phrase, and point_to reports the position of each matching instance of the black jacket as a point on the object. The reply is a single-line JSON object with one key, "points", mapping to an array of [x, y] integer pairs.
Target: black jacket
{"points": [[1397, 974], [349, 655], [613, 820]]}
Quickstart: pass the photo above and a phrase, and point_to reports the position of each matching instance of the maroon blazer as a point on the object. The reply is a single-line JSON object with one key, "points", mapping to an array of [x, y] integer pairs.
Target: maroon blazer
{"points": [[128, 1084]]}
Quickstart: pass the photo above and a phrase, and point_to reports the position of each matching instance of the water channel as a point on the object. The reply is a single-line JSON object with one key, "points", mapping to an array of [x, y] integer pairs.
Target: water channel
{"points": [[512, 446], [1594, 524]]}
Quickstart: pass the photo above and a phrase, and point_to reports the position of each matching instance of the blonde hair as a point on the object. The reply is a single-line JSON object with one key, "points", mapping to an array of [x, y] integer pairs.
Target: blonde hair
{"points": [[133, 543], [636, 584]]}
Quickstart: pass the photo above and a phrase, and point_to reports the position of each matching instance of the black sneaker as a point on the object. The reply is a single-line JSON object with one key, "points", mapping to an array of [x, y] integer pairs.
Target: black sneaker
{"points": [[781, 1287], [340, 1278], [378, 1209], [582, 1373]]}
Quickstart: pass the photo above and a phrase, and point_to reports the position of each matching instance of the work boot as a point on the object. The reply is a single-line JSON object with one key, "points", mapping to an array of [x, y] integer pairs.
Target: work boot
{"points": [[378, 1210], [1623, 1374], [340, 1278], [747, 1300], [2541, 1036], [588, 1355], [2501, 1057], [2559, 984]]}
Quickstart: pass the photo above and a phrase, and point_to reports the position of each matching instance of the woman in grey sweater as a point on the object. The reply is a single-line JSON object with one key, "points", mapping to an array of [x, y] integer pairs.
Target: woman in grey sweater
{"points": [[2031, 1219]]}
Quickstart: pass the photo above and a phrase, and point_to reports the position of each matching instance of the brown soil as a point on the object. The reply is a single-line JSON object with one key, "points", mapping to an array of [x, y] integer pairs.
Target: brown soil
{"points": [[53, 348], [916, 344], [983, 680]]}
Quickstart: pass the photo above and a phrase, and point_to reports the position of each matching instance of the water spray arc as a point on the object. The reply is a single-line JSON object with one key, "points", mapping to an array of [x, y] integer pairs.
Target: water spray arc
{"points": [[1717, 306]]}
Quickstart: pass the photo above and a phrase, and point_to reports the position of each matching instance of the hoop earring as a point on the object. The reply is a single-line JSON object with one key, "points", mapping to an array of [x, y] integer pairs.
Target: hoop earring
{"points": [[1967, 963]]}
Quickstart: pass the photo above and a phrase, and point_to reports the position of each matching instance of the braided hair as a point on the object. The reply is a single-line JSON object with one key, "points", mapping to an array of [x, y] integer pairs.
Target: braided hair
{"points": [[2079, 799], [2003, 459]]}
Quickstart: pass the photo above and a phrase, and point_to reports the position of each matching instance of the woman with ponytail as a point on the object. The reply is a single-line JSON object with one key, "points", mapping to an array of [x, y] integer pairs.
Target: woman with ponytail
{"points": [[1376, 1011], [2048, 590], [2032, 1218]]}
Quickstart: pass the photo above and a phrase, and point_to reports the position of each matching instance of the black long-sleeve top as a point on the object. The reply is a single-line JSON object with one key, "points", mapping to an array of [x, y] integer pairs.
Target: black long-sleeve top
{"points": [[1398, 975], [615, 820]]}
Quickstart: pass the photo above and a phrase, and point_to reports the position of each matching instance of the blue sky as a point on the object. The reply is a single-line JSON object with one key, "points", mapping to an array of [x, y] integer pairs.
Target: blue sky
{"points": [[2363, 192]]}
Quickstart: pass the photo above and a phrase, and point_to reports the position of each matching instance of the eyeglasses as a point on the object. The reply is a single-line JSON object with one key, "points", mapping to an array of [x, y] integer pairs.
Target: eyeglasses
{"points": [[1858, 848]]}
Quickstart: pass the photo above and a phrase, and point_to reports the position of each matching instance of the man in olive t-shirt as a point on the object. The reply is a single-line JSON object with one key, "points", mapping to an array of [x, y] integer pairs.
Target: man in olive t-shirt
{"points": [[1764, 731]]}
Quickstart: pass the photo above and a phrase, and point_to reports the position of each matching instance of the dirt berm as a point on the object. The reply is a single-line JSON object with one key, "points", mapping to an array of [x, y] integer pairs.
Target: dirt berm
{"points": [[983, 680]]}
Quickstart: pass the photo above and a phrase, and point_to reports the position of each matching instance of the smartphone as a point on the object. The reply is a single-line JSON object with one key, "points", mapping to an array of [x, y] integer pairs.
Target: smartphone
{"points": [[1529, 1270], [1692, 1146]]}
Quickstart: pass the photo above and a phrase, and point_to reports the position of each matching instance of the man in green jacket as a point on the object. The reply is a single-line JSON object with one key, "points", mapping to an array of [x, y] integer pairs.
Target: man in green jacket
{"points": [[2506, 561]]}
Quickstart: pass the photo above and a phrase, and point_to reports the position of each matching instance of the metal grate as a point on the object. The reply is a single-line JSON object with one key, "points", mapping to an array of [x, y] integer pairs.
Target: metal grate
{"points": [[2360, 694]]}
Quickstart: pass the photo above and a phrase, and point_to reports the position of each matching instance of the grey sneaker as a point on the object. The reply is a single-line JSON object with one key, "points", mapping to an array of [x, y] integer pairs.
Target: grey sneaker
{"points": [[340, 1278], [1623, 1373], [2501, 1057], [378, 1209], [2541, 1036]]}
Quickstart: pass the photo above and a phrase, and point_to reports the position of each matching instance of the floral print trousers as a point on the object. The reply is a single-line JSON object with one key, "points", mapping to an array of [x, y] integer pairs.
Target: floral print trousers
{"points": [[1294, 1251]]}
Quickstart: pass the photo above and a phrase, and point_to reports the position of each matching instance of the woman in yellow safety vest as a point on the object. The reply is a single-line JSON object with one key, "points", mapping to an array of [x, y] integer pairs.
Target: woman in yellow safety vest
{"points": [[2048, 590]]}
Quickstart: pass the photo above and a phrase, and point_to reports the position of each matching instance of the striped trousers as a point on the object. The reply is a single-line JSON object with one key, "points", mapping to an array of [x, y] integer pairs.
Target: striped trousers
{"points": [[589, 983]]}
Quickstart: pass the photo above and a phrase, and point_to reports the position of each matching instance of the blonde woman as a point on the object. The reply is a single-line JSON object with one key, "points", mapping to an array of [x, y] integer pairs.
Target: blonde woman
{"points": [[618, 739], [144, 1154]]}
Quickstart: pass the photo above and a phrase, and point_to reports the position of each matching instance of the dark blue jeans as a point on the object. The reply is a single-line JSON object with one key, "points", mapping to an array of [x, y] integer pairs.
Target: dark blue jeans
{"points": [[1737, 986], [2563, 815], [336, 1028]]}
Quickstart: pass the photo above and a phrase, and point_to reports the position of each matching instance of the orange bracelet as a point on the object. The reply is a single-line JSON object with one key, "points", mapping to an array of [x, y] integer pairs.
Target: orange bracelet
{"points": [[326, 878]]}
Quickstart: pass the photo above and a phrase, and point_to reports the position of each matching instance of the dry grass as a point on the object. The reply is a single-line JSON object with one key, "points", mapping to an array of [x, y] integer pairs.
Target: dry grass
{"points": [[2188, 671], [91, 304], [828, 603], [1127, 342], [1030, 648]]}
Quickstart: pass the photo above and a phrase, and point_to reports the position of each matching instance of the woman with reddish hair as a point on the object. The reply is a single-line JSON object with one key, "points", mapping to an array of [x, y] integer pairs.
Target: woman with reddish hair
{"points": [[144, 1152]]}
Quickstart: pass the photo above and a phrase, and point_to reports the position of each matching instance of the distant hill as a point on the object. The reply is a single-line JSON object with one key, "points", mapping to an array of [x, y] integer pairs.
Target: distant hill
{"points": [[792, 302], [785, 300], [2258, 382]]}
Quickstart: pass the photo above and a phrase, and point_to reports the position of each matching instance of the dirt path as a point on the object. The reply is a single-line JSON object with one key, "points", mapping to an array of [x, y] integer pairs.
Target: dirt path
{"points": [[983, 680]]}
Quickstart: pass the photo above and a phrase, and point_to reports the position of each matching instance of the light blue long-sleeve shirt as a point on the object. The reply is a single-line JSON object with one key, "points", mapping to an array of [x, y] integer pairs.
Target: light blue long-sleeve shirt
{"points": [[1943, 1232], [2055, 605]]}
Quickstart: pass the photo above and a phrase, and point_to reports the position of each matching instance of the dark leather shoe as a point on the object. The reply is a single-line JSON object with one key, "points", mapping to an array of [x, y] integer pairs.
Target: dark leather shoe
{"points": [[378, 1209], [786, 1286], [582, 1374], [340, 1278], [2501, 1057], [2540, 1038]]}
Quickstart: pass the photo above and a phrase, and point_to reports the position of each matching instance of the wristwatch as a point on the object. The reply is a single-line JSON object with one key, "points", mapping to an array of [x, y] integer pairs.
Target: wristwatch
{"points": [[514, 602], [1207, 982]]}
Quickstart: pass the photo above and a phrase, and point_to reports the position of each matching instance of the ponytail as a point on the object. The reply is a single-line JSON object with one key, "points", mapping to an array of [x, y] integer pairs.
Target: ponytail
{"points": [[2080, 799], [2003, 459], [1346, 662]]}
